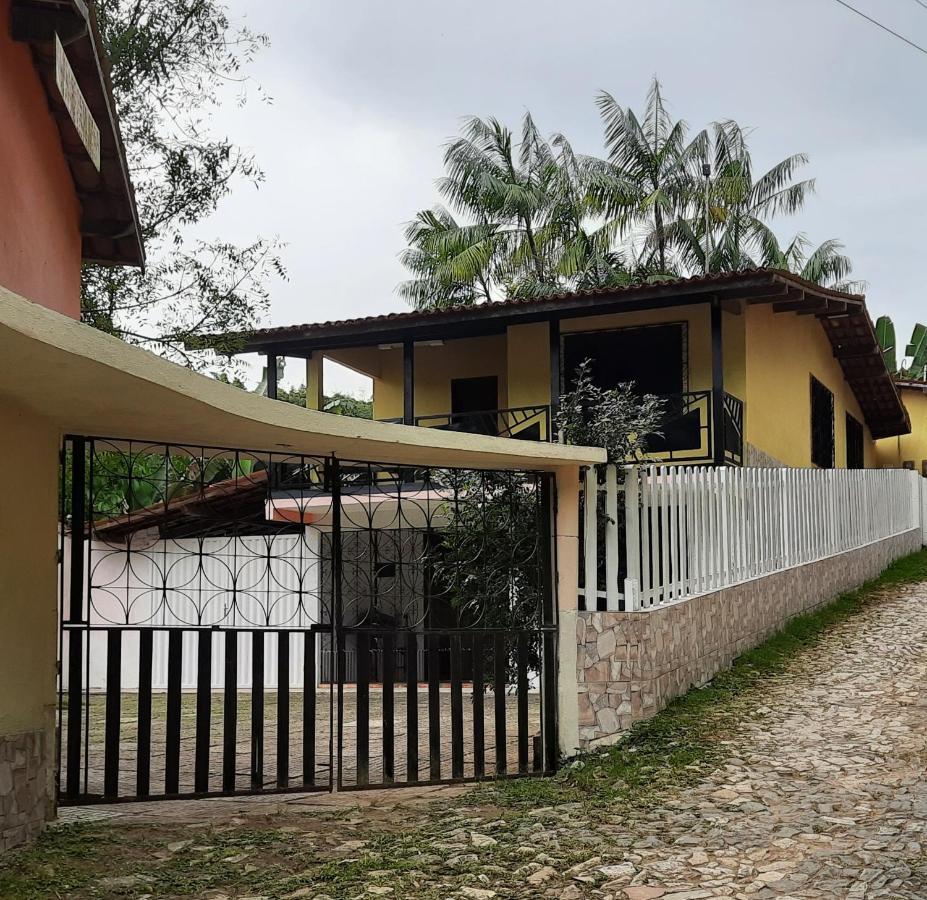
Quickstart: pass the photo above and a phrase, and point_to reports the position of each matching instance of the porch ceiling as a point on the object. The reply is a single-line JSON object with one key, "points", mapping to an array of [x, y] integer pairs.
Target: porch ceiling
{"points": [[86, 382]]}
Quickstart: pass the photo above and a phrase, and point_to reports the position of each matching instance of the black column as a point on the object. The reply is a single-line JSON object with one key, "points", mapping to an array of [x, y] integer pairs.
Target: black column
{"points": [[408, 382], [553, 333], [717, 384], [272, 376]]}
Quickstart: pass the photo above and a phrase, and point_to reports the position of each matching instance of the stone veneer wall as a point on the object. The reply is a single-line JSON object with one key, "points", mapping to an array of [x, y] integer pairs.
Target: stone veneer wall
{"points": [[630, 665], [760, 459], [27, 786]]}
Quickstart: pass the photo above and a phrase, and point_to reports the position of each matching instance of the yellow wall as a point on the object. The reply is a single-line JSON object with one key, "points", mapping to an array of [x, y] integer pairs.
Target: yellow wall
{"points": [[783, 351], [29, 542], [529, 364], [465, 358], [734, 337], [893, 452]]}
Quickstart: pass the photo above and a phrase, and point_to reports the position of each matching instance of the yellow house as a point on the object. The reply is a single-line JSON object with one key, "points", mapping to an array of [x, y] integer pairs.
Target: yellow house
{"points": [[908, 450], [757, 367]]}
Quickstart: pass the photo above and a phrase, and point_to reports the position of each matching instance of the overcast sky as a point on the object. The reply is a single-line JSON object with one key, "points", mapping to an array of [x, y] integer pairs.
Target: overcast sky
{"points": [[366, 93]]}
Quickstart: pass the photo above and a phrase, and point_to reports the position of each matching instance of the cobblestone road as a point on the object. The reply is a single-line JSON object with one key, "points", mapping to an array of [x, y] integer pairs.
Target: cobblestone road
{"points": [[826, 796]]}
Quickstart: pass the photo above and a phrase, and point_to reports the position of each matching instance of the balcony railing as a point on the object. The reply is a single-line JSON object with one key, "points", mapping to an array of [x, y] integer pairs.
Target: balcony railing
{"points": [[687, 430], [528, 423]]}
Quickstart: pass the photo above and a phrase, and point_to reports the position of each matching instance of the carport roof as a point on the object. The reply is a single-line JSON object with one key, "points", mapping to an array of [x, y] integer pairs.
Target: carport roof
{"points": [[86, 382]]}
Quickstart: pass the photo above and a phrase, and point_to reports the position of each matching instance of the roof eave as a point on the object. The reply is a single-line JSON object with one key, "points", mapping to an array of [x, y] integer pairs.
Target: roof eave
{"points": [[106, 196]]}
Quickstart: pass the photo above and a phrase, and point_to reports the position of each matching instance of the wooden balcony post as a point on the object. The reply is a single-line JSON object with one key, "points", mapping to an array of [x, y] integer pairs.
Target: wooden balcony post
{"points": [[554, 342], [272, 376], [408, 382], [717, 384]]}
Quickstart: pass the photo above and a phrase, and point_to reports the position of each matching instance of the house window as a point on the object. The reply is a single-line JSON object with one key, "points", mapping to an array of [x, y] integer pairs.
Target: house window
{"points": [[855, 454], [822, 425], [654, 357]]}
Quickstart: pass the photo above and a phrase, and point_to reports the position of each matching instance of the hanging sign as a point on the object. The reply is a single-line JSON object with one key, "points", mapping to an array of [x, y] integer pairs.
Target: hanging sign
{"points": [[76, 104]]}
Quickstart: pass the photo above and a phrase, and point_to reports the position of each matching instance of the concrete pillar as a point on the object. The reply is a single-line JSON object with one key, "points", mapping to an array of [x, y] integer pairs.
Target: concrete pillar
{"points": [[567, 549], [314, 381]]}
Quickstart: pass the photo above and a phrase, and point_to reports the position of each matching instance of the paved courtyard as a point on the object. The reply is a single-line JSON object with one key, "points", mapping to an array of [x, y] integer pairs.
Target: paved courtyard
{"points": [[321, 732], [822, 794]]}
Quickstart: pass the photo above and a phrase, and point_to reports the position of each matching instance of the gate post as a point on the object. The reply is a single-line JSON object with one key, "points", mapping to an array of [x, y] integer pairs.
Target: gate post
{"points": [[567, 596], [75, 613], [334, 471], [551, 747]]}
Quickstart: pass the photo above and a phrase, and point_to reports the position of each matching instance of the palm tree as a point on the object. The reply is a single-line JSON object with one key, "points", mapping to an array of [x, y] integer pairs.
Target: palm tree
{"points": [[486, 181], [826, 264], [646, 181], [528, 216], [451, 263], [739, 205]]}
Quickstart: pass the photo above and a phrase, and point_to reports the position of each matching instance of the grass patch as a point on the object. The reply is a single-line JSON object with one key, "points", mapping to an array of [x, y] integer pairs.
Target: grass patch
{"points": [[692, 735]]}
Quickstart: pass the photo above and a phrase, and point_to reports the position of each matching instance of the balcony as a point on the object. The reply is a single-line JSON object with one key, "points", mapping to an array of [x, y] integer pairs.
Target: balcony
{"points": [[687, 430]]}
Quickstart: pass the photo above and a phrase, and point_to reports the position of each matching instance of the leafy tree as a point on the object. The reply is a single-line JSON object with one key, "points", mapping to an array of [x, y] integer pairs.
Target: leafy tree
{"points": [[618, 419], [486, 566], [171, 64]]}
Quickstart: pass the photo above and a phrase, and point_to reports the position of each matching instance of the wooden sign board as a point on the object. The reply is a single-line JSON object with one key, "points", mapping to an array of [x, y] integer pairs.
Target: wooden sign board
{"points": [[76, 105]]}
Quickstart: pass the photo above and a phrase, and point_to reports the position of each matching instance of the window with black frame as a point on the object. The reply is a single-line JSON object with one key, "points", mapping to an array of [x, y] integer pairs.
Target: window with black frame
{"points": [[822, 425], [855, 452]]}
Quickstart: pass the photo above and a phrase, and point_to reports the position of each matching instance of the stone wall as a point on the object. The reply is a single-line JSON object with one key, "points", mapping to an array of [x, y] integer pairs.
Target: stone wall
{"points": [[630, 665], [760, 459], [27, 786]]}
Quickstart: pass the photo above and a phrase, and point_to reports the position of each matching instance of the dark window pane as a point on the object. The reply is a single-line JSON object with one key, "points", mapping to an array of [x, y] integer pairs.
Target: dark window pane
{"points": [[653, 357], [822, 425], [855, 452]]}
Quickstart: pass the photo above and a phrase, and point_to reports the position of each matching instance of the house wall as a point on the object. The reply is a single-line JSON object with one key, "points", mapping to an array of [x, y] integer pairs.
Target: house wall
{"points": [[28, 613], [40, 242], [435, 367], [783, 351], [895, 451]]}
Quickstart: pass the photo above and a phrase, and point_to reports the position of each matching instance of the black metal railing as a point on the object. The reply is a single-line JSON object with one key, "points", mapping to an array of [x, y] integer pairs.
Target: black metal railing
{"points": [[687, 432], [528, 423], [688, 429]]}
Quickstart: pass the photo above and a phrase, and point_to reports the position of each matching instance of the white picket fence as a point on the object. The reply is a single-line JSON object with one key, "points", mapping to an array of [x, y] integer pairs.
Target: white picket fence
{"points": [[672, 532]]}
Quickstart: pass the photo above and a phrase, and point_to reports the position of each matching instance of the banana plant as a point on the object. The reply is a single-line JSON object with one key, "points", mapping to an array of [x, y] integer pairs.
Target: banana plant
{"points": [[916, 352], [885, 334]]}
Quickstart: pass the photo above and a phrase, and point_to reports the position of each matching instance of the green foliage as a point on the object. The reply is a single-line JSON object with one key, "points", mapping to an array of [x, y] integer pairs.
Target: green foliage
{"points": [[618, 419], [526, 216], [487, 566], [170, 64], [341, 404], [916, 351], [914, 363], [885, 333]]}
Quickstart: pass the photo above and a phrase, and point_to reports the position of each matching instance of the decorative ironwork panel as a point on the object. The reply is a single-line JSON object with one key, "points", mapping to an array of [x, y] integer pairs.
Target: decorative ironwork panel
{"points": [[440, 548], [192, 536]]}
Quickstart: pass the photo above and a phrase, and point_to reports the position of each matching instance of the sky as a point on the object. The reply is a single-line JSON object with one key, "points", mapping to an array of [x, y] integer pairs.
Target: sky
{"points": [[364, 95]]}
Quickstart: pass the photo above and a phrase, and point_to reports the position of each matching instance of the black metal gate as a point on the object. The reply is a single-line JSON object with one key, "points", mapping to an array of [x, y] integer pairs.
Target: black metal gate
{"points": [[240, 622]]}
